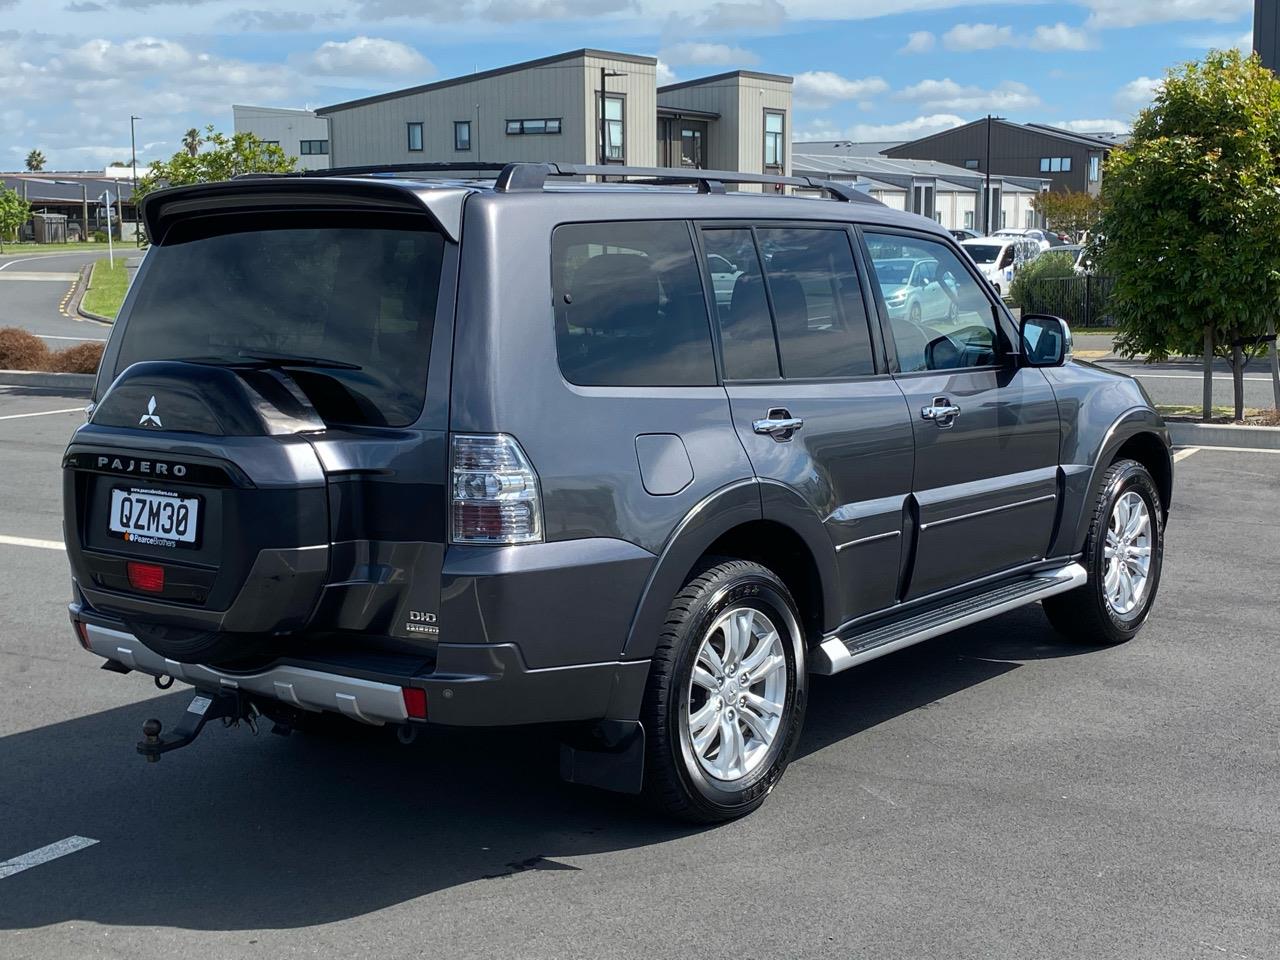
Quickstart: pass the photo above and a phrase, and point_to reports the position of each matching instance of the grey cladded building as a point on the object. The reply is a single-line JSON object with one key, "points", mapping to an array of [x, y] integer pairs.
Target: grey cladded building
{"points": [[1067, 160], [583, 106]]}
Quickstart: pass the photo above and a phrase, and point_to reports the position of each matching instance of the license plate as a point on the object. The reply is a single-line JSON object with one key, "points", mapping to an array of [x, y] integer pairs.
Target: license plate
{"points": [[154, 517]]}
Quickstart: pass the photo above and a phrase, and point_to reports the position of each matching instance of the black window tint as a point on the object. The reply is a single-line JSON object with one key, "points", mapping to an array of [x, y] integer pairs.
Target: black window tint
{"points": [[746, 330], [629, 309], [359, 289], [941, 319], [817, 303]]}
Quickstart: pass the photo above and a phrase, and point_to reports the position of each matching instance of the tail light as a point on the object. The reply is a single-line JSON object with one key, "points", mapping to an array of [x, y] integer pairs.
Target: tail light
{"points": [[415, 702], [145, 576], [495, 498]]}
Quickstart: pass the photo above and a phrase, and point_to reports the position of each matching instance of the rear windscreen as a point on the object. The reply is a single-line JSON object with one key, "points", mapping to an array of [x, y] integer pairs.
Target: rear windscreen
{"points": [[360, 290]]}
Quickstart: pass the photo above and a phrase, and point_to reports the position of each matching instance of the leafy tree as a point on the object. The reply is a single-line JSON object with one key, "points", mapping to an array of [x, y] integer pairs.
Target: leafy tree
{"points": [[35, 161], [1191, 218], [118, 163], [226, 157], [191, 141], [14, 212], [1070, 211], [1047, 266]]}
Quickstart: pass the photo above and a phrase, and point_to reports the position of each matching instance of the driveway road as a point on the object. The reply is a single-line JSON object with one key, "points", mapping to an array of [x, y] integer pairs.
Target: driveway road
{"points": [[997, 794], [33, 289], [1182, 381]]}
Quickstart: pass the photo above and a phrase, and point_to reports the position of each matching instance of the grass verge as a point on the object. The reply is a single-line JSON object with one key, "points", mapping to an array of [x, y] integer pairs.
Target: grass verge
{"points": [[107, 286]]}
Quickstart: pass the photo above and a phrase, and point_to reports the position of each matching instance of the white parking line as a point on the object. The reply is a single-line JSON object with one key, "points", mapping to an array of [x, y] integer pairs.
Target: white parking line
{"points": [[1209, 447], [1220, 378], [31, 542], [50, 336], [1183, 454], [42, 413], [36, 857], [46, 256]]}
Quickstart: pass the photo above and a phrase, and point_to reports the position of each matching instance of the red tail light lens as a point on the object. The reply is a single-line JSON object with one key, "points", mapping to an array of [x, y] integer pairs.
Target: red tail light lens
{"points": [[82, 633], [415, 702], [146, 576]]}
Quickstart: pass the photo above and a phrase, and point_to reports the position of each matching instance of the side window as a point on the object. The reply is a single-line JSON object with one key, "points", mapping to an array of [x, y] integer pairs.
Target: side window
{"points": [[629, 308], [817, 303], [946, 325], [746, 330]]}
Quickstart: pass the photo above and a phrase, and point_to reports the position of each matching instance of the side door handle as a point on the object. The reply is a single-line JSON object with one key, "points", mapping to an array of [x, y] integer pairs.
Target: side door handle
{"points": [[942, 412], [778, 423]]}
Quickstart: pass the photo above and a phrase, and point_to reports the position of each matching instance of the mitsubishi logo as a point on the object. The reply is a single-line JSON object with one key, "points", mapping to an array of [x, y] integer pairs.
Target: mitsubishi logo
{"points": [[150, 417]]}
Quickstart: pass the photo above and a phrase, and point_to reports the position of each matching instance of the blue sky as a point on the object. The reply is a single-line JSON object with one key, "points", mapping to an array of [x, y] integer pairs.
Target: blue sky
{"points": [[72, 71]]}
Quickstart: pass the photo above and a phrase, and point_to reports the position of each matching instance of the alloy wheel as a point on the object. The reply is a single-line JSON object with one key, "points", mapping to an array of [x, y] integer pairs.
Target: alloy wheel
{"points": [[737, 693], [1127, 554]]}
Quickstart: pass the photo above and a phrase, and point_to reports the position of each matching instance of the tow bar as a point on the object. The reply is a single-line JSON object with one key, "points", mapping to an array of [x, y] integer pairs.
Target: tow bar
{"points": [[230, 707]]}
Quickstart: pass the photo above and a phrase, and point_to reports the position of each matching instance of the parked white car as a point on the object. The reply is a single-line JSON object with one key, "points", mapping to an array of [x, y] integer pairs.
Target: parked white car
{"points": [[1001, 257], [1044, 239], [913, 290]]}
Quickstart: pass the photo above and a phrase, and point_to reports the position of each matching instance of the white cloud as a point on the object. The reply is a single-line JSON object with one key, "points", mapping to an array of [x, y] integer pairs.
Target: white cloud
{"points": [[948, 95], [907, 129], [665, 74], [1060, 36], [820, 87], [707, 55], [922, 41], [1133, 13], [1221, 41], [825, 129], [1136, 94], [1093, 126], [978, 36], [136, 54], [368, 57]]}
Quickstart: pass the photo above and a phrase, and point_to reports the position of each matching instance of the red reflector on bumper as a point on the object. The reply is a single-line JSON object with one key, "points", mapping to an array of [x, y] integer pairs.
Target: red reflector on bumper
{"points": [[82, 633], [415, 702], [145, 576]]}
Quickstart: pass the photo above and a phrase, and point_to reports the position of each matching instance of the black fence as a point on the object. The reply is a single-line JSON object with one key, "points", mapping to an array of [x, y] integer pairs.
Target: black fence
{"points": [[1082, 301]]}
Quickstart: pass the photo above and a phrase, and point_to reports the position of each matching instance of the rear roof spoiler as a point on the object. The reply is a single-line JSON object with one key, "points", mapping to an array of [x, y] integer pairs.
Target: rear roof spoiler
{"points": [[441, 203]]}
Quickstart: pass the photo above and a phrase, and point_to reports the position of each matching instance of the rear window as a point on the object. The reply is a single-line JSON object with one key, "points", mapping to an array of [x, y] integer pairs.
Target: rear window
{"points": [[629, 305], [983, 252], [357, 289]]}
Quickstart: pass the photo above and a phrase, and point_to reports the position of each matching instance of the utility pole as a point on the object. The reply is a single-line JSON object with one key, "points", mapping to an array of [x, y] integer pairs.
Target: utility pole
{"points": [[133, 170], [986, 190]]}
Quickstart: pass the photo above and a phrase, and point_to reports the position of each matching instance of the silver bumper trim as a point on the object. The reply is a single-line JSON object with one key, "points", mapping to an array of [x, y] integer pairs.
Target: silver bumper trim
{"points": [[313, 690]]}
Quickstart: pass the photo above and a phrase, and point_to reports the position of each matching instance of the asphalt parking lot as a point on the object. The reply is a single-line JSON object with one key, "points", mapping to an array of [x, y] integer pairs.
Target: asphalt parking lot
{"points": [[992, 794]]}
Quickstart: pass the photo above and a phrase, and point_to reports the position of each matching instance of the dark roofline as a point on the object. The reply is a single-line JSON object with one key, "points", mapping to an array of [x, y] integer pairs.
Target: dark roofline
{"points": [[728, 75], [669, 111], [486, 75], [1025, 127]]}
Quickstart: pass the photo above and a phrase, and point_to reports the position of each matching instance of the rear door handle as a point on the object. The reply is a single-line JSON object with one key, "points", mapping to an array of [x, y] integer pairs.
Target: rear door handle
{"points": [[942, 412], [779, 424]]}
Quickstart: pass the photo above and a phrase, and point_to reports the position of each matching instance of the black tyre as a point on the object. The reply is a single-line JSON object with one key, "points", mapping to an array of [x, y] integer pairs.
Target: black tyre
{"points": [[1123, 553], [726, 694]]}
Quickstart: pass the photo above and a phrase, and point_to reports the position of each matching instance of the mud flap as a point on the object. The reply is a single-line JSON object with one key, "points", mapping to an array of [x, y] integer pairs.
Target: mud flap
{"points": [[609, 755]]}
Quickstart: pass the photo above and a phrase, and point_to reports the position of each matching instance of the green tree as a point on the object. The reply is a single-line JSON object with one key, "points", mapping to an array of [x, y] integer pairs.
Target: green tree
{"points": [[1047, 266], [14, 212], [1191, 218], [224, 158], [35, 161], [191, 141], [1073, 212]]}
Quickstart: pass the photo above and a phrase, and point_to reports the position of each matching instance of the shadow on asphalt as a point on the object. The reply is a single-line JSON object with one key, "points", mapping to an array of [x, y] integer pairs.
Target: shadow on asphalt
{"points": [[236, 832]]}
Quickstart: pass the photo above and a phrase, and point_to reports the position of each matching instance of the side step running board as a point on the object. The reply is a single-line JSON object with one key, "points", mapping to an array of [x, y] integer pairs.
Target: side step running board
{"points": [[835, 654]]}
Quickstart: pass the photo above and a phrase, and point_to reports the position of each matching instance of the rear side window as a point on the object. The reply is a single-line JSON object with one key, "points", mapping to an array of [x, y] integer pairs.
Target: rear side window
{"points": [[629, 307], [817, 303], [360, 290], [742, 307]]}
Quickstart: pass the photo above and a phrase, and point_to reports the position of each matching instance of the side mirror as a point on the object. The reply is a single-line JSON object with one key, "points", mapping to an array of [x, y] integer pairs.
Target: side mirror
{"points": [[1046, 340]]}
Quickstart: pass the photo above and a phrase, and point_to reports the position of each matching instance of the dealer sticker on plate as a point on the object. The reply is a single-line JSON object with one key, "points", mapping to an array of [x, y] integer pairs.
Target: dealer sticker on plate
{"points": [[157, 518]]}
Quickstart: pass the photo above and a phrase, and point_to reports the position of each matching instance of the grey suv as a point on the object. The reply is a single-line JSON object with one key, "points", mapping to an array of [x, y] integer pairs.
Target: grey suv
{"points": [[630, 458]]}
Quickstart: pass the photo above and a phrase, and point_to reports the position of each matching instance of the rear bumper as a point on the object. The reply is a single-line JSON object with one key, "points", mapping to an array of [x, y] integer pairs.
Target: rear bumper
{"points": [[471, 685]]}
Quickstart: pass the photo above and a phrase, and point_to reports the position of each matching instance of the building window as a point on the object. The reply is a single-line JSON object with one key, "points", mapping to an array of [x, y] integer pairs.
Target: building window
{"points": [[614, 128], [270, 143], [516, 128], [1031, 219], [313, 148], [462, 135], [1095, 168], [971, 164], [1004, 219], [415, 136], [968, 219], [1066, 164], [1055, 164], [775, 123]]}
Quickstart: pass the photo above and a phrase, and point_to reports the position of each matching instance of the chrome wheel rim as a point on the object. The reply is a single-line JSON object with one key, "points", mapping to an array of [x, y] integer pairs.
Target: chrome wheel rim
{"points": [[1127, 553], [737, 694]]}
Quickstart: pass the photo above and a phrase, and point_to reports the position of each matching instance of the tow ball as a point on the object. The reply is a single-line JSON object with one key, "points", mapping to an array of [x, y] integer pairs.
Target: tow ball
{"points": [[231, 708]]}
